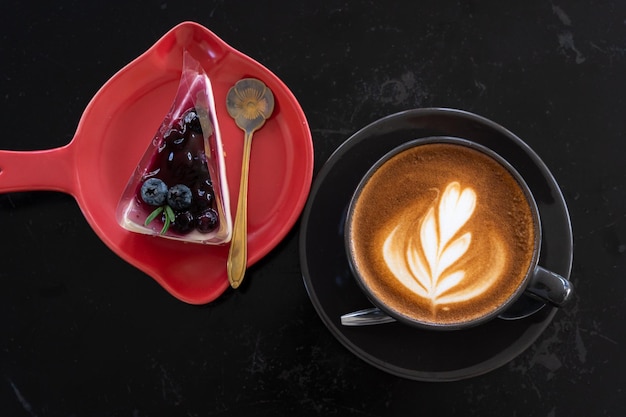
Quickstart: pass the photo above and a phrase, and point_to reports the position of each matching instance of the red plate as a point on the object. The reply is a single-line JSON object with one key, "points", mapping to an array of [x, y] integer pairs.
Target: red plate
{"points": [[115, 130]]}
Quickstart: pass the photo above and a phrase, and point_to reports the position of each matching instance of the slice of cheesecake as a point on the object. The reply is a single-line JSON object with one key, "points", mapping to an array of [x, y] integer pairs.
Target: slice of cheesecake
{"points": [[179, 189]]}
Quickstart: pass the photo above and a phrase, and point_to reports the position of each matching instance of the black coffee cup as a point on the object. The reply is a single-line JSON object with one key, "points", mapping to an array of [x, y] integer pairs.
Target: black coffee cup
{"points": [[447, 213]]}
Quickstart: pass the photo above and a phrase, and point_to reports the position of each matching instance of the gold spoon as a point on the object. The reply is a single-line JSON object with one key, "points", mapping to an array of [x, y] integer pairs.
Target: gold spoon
{"points": [[250, 103]]}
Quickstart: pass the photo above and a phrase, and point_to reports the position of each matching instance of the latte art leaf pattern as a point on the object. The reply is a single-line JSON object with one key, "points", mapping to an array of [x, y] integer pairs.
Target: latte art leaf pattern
{"points": [[424, 260], [455, 208]]}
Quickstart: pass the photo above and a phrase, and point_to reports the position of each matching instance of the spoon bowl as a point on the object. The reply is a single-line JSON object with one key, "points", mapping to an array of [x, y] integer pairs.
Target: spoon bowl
{"points": [[96, 165]]}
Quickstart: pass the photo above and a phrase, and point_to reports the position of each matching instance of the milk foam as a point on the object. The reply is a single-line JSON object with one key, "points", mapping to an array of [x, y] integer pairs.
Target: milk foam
{"points": [[425, 251]]}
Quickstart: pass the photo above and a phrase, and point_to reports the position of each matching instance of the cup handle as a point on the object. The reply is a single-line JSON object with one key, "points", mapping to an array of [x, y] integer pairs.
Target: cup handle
{"points": [[550, 287]]}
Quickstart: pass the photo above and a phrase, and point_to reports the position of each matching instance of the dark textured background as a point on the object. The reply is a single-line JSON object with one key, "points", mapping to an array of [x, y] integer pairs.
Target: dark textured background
{"points": [[82, 333]]}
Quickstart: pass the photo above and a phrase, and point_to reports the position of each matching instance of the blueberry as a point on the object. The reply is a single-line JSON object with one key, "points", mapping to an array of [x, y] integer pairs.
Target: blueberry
{"points": [[183, 222], [202, 195], [192, 121], [179, 197], [154, 192], [174, 138], [181, 167], [207, 221]]}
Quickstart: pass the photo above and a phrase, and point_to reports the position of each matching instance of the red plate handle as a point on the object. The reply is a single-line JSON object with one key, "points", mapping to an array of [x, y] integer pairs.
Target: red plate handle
{"points": [[51, 170]]}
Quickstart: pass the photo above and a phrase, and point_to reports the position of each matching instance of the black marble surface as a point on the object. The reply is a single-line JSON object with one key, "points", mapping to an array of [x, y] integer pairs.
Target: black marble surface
{"points": [[82, 333]]}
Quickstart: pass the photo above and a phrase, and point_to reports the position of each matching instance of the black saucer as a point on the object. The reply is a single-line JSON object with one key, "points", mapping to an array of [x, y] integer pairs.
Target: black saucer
{"points": [[397, 348]]}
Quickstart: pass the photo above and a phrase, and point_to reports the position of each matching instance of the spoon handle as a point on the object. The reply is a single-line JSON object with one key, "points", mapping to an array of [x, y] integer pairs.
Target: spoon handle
{"points": [[238, 254], [366, 317]]}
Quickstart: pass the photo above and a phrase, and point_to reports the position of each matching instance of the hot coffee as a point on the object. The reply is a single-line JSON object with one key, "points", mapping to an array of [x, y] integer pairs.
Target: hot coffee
{"points": [[442, 233]]}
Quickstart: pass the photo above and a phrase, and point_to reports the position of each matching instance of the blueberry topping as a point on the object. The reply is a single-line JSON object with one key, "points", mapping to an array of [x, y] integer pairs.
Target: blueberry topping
{"points": [[181, 160], [192, 121], [184, 222], [179, 197], [207, 221], [202, 195], [154, 192], [174, 138]]}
